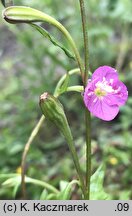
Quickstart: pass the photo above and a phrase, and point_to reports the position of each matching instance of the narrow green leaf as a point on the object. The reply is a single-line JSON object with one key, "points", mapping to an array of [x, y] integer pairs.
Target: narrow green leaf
{"points": [[47, 35], [11, 182], [15, 190], [96, 187], [10, 175], [63, 185], [14, 182], [15, 179], [52, 196], [66, 189], [44, 195]]}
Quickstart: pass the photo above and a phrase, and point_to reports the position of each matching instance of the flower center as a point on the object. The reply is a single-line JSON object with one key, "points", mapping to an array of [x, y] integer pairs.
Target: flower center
{"points": [[99, 92], [103, 87]]}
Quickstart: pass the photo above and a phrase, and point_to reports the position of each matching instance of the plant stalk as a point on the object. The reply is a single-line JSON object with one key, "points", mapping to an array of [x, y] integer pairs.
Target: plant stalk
{"points": [[87, 113], [25, 152], [85, 38], [70, 143]]}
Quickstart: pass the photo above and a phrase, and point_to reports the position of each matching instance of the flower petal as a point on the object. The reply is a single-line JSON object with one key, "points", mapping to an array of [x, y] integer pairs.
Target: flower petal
{"points": [[105, 93], [99, 108], [122, 94], [105, 71], [119, 97]]}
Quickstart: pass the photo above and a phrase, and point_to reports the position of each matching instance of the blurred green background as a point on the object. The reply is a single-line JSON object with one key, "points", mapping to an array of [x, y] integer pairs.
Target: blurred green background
{"points": [[30, 65]]}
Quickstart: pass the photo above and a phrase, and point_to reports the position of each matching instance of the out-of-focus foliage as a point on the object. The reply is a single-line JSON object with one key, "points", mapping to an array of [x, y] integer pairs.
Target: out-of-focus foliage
{"points": [[30, 65]]}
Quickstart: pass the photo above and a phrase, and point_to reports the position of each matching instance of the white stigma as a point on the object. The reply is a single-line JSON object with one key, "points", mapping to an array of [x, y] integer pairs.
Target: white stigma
{"points": [[103, 85]]}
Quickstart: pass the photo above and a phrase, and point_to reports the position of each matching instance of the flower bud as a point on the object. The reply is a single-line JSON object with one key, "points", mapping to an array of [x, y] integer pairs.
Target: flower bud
{"points": [[53, 110], [18, 14]]}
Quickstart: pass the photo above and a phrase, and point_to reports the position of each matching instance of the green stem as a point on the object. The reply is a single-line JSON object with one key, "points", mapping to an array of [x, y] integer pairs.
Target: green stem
{"points": [[85, 36], [88, 151], [77, 88], [87, 113], [70, 142], [25, 152]]}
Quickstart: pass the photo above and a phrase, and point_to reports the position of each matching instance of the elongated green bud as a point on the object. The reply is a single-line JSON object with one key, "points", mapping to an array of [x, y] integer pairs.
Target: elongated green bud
{"points": [[18, 14], [53, 110]]}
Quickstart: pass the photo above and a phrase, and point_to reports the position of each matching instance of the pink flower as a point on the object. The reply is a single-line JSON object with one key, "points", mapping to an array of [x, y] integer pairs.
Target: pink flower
{"points": [[105, 93]]}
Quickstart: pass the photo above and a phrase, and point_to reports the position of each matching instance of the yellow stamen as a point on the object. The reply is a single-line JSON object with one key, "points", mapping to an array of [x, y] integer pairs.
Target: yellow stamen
{"points": [[99, 92]]}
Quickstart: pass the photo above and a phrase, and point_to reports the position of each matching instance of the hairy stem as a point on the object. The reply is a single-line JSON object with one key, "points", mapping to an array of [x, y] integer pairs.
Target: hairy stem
{"points": [[88, 151], [85, 37], [75, 158], [87, 113]]}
